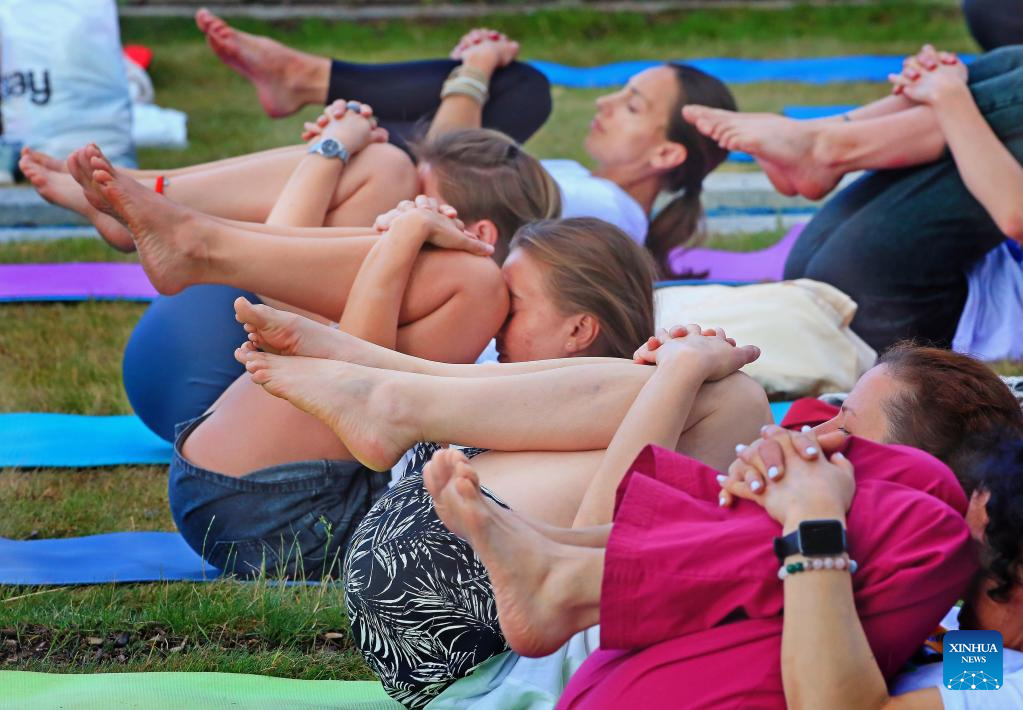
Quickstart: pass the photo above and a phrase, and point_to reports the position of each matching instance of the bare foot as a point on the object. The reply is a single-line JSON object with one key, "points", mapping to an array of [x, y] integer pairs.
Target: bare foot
{"points": [[356, 402], [784, 147], [47, 161], [545, 591], [170, 239], [59, 188], [278, 73], [281, 332]]}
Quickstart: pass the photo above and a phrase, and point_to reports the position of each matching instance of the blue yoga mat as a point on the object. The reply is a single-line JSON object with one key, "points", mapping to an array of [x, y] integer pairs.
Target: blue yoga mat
{"points": [[807, 70], [779, 410], [98, 559], [38, 440]]}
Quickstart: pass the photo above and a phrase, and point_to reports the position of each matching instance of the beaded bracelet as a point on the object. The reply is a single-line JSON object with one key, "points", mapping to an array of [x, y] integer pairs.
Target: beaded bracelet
{"points": [[818, 563], [466, 81]]}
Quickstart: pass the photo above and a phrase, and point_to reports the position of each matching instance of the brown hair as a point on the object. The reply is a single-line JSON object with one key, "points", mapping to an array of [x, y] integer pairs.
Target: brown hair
{"points": [[679, 221], [484, 174], [594, 267], [952, 407]]}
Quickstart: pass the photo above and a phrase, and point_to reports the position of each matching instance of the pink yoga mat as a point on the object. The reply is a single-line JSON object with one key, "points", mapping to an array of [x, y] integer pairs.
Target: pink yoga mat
{"points": [[764, 265], [74, 282]]}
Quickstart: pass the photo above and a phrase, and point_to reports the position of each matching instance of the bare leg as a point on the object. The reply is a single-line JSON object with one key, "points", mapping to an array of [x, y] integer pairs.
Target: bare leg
{"points": [[374, 181], [379, 414], [809, 158], [60, 188], [284, 333], [179, 247], [285, 79], [147, 175], [545, 591], [380, 181]]}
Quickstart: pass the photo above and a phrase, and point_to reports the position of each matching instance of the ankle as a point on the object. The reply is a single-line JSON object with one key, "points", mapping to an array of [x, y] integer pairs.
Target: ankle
{"points": [[395, 399], [309, 78], [830, 146]]}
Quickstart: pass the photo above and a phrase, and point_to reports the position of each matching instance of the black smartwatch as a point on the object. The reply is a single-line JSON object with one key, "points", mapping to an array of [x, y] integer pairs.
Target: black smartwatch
{"points": [[814, 538]]}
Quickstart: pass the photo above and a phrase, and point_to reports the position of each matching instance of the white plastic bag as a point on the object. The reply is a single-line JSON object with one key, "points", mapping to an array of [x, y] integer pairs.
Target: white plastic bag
{"points": [[62, 77]]}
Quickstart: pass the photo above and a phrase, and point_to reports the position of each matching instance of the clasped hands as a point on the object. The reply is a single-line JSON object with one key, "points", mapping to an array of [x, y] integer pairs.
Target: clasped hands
{"points": [[432, 222], [349, 122], [929, 74]]}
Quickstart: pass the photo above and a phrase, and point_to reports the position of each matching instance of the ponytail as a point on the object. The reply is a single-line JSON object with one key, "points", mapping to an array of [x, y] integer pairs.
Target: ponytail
{"points": [[678, 223]]}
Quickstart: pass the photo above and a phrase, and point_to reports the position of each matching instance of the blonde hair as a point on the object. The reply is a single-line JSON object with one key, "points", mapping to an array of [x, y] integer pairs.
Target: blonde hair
{"points": [[595, 268], [484, 174]]}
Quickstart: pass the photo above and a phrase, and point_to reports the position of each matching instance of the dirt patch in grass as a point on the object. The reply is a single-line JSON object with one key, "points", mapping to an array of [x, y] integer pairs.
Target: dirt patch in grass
{"points": [[63, 649]]}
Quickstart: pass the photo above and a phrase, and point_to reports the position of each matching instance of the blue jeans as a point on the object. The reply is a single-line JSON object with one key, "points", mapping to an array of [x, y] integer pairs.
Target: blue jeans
{"points": [[294, 520], [900, 242]]}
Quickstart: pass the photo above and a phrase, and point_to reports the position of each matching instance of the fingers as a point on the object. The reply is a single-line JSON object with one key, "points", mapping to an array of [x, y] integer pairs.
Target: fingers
{"points": [[802, 442], [927, 57], [839, 459], [899, 83], [948, 58], [747, 353], [912, 68], [766, 456]]}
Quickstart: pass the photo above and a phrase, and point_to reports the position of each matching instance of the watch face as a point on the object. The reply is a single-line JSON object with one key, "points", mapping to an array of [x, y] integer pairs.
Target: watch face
{"points": [[330, 147], [821, 537]]}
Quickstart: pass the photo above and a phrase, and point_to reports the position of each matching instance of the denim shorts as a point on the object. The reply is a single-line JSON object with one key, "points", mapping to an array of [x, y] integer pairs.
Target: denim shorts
{"points": [[294, 520]]}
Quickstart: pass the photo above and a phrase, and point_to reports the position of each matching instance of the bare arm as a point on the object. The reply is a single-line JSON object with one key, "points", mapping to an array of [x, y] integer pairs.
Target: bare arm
{"points": [[483, 52], [991, 173], [374, 303], [379, 288], [660, 411], [826, 659]]}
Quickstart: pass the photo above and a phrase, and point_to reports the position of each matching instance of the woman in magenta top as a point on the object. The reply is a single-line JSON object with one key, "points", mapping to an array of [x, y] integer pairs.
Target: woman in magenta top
{"points": [[687, 591]]}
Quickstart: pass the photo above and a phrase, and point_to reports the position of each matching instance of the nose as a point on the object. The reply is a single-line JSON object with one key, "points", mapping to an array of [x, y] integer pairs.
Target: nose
{"points": [[604, 103]]}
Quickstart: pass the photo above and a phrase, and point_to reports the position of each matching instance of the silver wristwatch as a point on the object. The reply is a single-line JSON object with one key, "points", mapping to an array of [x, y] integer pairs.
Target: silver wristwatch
{"points": [[330, 148]]}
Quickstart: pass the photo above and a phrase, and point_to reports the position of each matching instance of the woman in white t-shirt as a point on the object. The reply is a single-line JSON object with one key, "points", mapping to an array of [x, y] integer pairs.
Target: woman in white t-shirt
{"points": [[638, 141]]}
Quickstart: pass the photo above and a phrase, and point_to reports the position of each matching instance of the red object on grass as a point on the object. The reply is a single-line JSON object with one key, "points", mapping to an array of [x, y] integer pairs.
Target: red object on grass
{"points": [[143, 56]]}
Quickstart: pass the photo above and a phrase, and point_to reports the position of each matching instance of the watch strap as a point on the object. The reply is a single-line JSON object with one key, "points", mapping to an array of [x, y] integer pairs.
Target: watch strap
{"points": [[342, 153], [786, 546]]}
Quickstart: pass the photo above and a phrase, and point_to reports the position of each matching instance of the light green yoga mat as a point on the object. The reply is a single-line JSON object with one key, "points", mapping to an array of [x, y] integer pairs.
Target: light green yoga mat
{"points": [[184, 691]]}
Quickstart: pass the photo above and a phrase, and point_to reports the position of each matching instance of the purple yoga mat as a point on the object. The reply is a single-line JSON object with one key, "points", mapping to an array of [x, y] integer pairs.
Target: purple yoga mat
{"points": [[764, 265], [74, 282]]}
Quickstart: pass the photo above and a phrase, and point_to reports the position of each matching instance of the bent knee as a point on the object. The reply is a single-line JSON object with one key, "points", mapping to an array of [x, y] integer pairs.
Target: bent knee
{"points": [[742, 401], [389, 170]]}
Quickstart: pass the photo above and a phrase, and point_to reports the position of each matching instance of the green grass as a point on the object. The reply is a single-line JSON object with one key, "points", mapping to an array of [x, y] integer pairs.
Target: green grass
{"points": [[66, 357]]}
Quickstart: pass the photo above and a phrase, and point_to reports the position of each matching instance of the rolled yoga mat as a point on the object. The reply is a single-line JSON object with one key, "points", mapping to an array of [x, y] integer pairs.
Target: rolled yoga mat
{"points": [[71, 440], [99, 281], [21, 690], [806, 70]]}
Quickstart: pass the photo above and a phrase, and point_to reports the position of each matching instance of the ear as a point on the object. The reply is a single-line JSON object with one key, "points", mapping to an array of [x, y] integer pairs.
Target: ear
{"points": [[485, 231], [668, 156], [585, 330]]}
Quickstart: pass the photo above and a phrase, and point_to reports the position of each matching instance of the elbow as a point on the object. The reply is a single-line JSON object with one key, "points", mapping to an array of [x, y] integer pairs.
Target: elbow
{"points": [[1011, 224]]}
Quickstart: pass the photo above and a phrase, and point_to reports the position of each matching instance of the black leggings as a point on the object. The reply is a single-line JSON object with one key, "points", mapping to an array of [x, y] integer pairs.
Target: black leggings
{"points": [[995, 23], [900, 242], [405, 96]]}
